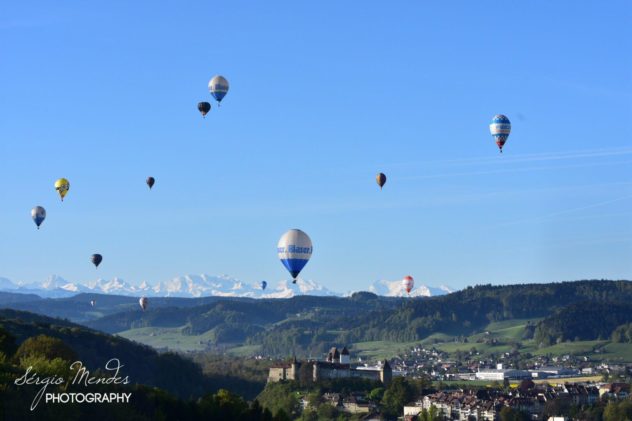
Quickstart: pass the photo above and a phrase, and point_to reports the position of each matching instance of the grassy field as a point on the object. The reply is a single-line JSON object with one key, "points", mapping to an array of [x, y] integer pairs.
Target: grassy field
{"points": [[574, 348], [244, 351], [615, 352], [435, 338], [170, 338], [380, 349]]}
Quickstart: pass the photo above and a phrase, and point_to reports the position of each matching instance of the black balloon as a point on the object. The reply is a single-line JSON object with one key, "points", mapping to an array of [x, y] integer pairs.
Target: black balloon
{"points": [[96, 259], [151, 181], [204, 108], [381, 180]]}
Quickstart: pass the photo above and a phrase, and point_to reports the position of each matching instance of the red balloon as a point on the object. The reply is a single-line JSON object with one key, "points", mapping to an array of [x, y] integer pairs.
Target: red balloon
{"points": [[408, 283]]}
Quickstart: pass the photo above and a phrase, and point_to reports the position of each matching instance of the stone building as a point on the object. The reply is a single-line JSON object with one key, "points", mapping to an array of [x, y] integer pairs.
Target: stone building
{"points": [[337, 365]]}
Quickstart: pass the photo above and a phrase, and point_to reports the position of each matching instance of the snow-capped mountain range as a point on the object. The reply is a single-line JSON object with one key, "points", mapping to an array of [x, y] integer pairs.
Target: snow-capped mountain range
{"points": [[203, 286], [394, 289]]}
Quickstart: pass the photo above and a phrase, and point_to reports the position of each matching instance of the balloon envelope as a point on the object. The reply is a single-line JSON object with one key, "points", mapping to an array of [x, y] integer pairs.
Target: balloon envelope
{"points": [[150, 182], [264, 284], [408, 283], [218, 87], [204, 108], [92, 302], [381, 180], [62, 186], [294, 250], [38, 214], [96, 259], [500, 128], [143, 302]]}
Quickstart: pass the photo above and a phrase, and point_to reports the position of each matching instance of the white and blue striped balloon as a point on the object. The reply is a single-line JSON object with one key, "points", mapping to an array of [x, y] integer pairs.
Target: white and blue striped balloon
{"points": [[500, 128], [218, 87], [294, 250]]}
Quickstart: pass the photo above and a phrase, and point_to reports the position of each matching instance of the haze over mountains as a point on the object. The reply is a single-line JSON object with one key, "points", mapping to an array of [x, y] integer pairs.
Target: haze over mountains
{"points": [[204, 286]]}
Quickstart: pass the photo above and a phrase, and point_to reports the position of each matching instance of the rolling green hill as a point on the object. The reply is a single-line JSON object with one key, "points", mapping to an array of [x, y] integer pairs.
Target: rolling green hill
{"points": [[11, 298], [142, 364], [78, 309], [494, 318]]}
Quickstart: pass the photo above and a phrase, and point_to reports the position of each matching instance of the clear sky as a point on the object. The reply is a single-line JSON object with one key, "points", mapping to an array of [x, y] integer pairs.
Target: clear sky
{"points": [[323, 96]]}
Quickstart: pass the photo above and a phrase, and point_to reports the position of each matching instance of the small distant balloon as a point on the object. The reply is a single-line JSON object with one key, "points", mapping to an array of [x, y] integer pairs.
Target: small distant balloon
{"points": [[62, 186], [38, 214], [93, 302], [204, 108], [500, 128], [150, 182], [143, 302], [381, 180], [264, 284], [96, 259], [218, 87], [294, 250], [408, 283]]}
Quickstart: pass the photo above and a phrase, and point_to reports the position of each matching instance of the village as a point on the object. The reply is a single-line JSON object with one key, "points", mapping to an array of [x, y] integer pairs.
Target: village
{"points": [[465, 388]]}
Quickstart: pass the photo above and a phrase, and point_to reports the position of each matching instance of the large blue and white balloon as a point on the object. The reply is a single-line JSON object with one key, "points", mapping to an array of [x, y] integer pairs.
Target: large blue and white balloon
{"points": [[294, 249], [38, 214], [218, 87], [264, 284], [500, 129]]}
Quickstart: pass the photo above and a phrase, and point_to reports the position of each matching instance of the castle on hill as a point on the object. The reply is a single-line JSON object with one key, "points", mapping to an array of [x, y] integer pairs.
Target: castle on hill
{"points": [[337, 365]]}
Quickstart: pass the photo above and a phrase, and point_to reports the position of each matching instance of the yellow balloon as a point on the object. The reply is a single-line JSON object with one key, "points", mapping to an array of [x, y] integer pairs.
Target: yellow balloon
{"points": [[62, 186]]}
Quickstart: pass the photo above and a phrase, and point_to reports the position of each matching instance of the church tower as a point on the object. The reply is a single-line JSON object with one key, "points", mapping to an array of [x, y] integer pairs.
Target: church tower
{"points": [[295, 366], [386, 373], [344, 356]]}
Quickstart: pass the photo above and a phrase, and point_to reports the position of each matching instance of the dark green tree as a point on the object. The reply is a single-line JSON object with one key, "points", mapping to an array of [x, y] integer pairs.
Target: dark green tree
{"points": [[398, 393], [45, 347]]}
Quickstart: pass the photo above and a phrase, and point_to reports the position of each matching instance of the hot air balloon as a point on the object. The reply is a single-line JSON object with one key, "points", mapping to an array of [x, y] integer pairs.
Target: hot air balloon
{"points": [[408, 283], [62, 186], [143, 302], [381, 180], [92, 302], [204, 108], [264, 284], [500, 129], [150, 182], [294, 250], [218, 87], [38, 214], [96, 259]]}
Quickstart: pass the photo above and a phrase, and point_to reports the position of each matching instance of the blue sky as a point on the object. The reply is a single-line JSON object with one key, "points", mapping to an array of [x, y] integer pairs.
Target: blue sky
{"points": [[323, 96]]}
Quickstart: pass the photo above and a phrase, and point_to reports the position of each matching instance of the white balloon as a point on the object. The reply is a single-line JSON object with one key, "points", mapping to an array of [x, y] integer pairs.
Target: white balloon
{"points": [[218, 87], [143, 303], [294, 250]]}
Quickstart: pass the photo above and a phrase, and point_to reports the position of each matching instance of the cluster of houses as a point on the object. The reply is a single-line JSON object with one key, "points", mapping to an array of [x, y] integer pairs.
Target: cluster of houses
{"points": [[471, 365], [486, 404]]}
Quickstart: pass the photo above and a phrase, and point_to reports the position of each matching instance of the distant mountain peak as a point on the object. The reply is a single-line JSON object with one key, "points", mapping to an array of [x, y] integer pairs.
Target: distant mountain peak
{"points": [[395, 289], [203, 285]]}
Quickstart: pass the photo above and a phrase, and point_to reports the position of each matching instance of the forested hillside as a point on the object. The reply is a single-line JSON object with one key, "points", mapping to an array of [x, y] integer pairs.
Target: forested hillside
{"points": [[308, 325], [142, 364], [460, 313]]}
